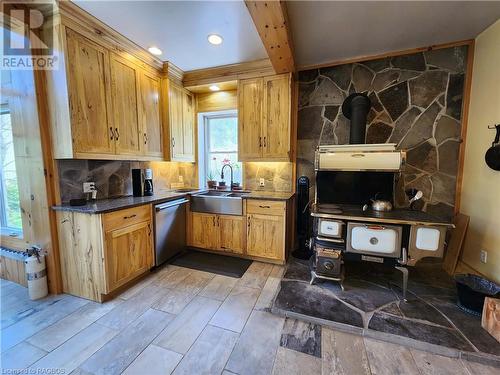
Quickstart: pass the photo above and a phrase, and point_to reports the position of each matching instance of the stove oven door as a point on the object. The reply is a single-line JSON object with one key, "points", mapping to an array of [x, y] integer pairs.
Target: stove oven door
{"points": [[374, 239]]}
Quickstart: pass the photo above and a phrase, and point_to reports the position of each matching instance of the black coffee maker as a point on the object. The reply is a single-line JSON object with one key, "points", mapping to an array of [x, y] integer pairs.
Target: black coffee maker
{"points": [[142, 182]]}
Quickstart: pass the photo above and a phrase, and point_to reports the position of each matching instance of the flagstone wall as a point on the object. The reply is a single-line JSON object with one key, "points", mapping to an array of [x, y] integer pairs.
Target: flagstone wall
{"points": [[416, 103]]}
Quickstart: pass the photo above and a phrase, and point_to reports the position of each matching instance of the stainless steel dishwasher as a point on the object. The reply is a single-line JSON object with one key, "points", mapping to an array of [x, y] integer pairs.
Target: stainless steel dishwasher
{"points": [[170, 229]]}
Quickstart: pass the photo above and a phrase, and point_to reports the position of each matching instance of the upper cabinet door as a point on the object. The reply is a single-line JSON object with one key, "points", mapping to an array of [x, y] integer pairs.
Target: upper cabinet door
{"points": [[175, 96], [150, 115], [250, 118], [124, 93], [89, 99], [276, 117], [188, 125]]}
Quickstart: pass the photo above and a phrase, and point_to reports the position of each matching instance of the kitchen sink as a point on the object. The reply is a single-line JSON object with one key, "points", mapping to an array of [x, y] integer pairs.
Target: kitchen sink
{"points": [[218, 202]]}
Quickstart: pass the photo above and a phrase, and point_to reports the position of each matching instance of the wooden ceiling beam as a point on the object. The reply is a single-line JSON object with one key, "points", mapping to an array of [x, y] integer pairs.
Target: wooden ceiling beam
{"points": [[271, 20]]}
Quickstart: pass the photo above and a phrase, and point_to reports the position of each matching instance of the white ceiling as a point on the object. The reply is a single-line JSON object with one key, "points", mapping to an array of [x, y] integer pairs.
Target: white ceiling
{"points": [[338, 30], [180, 29]]}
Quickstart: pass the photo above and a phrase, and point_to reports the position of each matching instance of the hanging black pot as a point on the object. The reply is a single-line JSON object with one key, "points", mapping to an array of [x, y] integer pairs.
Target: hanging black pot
{"points": [[492, 156]]}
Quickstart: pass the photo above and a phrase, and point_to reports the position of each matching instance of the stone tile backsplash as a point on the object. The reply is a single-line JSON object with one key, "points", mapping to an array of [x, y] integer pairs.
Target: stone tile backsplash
{"points": [[114, 178], [416, 103], [277, 176]]}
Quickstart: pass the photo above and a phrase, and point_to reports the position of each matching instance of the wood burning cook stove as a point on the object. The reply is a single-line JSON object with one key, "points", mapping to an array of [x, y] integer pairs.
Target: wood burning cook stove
{"points": [[347, 178]]}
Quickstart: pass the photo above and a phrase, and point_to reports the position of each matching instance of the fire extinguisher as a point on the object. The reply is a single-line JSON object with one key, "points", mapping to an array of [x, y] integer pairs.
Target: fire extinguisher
{"points": [[36, 273]]}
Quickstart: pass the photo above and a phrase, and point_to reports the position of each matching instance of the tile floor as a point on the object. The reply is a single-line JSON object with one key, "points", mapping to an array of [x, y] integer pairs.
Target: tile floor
{"points": [[183, 321]]}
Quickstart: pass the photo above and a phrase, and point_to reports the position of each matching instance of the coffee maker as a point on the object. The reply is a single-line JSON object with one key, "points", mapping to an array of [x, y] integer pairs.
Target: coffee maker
{"points": [[148, 182], [142, 182]]}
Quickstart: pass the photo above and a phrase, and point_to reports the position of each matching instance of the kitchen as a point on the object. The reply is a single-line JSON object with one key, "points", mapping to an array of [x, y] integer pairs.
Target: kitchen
{"points": [[272, 188]]}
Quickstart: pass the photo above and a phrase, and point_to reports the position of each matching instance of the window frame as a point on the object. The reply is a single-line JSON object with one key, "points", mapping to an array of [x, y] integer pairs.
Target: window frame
{"points": [[8, 234], [204, 144]]}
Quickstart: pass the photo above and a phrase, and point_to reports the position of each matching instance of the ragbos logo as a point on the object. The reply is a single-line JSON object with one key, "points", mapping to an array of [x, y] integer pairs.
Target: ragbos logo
{"points": [[23, 46]]}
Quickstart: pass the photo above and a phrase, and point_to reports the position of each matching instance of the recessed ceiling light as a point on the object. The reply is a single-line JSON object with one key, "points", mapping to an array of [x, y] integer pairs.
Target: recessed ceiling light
{"points": [[214, 88], [155, 51], [214, 39]]}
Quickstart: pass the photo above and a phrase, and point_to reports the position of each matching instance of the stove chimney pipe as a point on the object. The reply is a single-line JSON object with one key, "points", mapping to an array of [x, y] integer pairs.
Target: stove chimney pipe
{"points": [[355, 108]]}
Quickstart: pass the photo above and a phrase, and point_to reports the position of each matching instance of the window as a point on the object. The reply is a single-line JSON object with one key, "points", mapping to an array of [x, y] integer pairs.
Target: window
{"points": [[221, 147], [10, 215]]}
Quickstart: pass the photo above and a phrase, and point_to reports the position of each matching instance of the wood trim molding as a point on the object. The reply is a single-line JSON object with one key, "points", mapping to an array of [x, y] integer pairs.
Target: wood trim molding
{"points": [[79, 20], [271, 20], [464, 121], [223, 73], [386, 54], [172, 72]]}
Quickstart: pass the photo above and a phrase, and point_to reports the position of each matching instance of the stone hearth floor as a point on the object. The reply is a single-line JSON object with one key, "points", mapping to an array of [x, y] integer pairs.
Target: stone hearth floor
{"points": [[372, 305]]}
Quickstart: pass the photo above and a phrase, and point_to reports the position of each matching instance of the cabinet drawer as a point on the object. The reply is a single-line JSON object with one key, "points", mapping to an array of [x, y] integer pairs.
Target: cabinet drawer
{"points": [[129, 216], [266, 207]]}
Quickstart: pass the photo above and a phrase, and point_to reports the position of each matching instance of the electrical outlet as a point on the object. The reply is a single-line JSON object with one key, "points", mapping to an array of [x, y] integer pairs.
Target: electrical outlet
{"points": [[181, 178], [88, 187], [262, 182], [484, 256]]}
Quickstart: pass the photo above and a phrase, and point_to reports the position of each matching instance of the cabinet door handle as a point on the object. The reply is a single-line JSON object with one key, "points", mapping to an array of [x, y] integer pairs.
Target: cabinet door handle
{"points": [[264, 141], [130, 217], [111, 134], [173, 142], [149, 229], [213, 219], [117, 134], [260, 141], [265, 206], [248, 223], [218, 221], [145, 138]]}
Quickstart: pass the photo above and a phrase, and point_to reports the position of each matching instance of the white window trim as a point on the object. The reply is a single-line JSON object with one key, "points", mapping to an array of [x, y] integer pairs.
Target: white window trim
{"points": [[203, 119]]}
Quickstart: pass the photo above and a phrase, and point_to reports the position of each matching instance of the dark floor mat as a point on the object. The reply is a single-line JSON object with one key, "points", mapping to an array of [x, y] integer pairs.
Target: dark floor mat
{"points": [[215, 263]]}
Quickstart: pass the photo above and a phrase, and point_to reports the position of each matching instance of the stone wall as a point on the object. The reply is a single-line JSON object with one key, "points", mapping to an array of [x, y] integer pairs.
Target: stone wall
{"points": [[416, 103], [114, 178]]}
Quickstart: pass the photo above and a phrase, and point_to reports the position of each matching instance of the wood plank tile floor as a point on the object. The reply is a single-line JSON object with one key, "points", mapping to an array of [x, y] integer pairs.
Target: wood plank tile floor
{"points": [[182, 321]]}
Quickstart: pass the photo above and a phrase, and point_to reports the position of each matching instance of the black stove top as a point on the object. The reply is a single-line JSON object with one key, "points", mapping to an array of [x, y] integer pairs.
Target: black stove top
{"points": [[355, 212]]}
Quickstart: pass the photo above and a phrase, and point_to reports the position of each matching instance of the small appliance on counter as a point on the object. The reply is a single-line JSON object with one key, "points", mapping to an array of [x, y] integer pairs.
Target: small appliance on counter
{"points": [[148, 182], [137, 186], [142, 182]]}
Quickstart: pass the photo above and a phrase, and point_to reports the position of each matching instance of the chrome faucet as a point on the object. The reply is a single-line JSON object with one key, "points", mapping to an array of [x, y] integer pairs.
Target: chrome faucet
{"points": [[222, 174]]}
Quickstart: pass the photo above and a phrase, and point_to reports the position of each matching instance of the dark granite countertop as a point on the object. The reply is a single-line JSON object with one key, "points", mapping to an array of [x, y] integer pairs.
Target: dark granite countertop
{"points": [[269, 195], [114, 204], [397, 215]]}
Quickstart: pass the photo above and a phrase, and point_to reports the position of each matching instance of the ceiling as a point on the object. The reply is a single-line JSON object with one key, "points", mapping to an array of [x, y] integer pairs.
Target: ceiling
{"points": [[339, 30], [180, 29], [322, 31]]}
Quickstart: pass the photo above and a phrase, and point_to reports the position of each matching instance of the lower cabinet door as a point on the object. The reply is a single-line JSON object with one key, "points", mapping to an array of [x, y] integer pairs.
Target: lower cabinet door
{"points": [[204, 232], [266, 236], [128, 253], [231, 233]]}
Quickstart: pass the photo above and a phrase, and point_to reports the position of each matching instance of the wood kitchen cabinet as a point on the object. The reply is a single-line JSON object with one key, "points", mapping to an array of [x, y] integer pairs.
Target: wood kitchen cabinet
{"points": [[266, 229], [204, 230], [264, 108], [124, 92], [250, 118], [128, 253], [181, 122], [102, 105], [102, 252], [231, 233], [150, 115], [88, 82], [218, 232]]}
